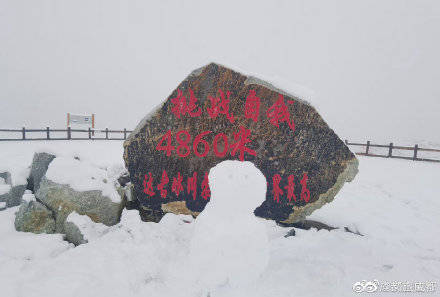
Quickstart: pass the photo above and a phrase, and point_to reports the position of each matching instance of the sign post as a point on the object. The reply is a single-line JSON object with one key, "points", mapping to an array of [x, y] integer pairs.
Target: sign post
{"points": [[81, 120]]}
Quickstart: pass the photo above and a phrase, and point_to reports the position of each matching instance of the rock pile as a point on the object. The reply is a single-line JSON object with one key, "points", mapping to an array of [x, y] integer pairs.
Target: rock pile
{"points": [[64, 186]]}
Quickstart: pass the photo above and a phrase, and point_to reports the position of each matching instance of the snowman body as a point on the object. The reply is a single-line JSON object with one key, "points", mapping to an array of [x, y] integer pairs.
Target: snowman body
{"points": [[230, 244]]}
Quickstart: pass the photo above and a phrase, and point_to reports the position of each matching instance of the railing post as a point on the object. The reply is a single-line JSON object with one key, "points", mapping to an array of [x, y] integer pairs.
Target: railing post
{"points": [[368, 148], [346, 142], [416, 147], [23, 131], [47, 133], [390, 151], [125, 133], [106, 133], [90, 134], [69, 133]]}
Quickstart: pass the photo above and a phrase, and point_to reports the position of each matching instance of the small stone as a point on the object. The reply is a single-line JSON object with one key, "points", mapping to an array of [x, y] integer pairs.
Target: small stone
{"points": [[290, 233]]}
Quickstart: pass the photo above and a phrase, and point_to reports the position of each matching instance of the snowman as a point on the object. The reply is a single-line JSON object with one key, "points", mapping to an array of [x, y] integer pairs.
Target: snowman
{"points": [[230, 246]]}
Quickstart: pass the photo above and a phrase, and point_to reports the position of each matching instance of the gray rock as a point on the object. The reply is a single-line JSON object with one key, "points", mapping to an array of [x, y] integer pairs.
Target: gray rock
{"points": [[63, 200], [39, 166], [34, 217], [290, 233], [13, 197], [73, 234], [5, 197], [6, 176]]}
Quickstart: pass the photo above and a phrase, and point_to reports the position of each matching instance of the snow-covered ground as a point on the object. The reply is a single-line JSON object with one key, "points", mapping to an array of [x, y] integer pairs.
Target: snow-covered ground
{"points": [[394, 204]]}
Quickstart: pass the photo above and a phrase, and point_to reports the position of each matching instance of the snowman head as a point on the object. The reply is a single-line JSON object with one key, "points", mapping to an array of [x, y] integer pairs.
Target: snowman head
{"points": [[237, 186]]}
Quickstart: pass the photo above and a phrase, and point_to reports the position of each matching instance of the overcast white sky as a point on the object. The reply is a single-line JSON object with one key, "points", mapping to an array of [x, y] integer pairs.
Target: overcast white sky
{"points": [[374, 66]]}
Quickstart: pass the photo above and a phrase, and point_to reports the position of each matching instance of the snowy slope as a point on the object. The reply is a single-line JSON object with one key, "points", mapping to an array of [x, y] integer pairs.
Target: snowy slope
{"points": [[393, 203]]}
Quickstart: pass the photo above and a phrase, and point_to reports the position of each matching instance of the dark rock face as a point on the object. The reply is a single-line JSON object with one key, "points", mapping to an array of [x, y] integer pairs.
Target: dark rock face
{"points": [[304, 161]]}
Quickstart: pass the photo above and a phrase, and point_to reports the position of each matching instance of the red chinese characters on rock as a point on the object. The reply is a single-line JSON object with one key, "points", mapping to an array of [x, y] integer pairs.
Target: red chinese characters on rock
{"points": [[252, 106], [290, 188], [161, 186], [206, 191], [241, 139], [219, 105], [183, 144], [276, 187], [184, 148], [182, 107], [148, 185], [177, 187], [279, 113]]}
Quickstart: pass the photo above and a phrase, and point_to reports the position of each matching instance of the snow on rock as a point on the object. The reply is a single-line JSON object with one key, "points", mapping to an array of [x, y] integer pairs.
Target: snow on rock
{"points": [[16, 157], [28, 196], [71, 184], [9, 193], [81, 229], [63, 200], [4, 188], [82, 176]]}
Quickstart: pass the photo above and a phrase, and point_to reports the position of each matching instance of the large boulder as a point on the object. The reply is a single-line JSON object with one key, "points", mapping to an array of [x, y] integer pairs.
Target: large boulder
{"points": [[34, 217], [70, 185], [39, 166], [219, 114]]}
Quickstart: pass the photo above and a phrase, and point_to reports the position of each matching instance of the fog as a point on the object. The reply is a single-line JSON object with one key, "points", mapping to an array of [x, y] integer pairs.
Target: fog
{"points": [[372, 67]]}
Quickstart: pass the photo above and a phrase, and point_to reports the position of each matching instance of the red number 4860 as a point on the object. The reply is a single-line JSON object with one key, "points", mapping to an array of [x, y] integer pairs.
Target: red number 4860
{"points": [[200, 146]]}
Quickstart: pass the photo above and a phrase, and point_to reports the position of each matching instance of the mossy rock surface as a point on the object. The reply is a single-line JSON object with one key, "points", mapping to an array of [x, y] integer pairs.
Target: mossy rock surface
{"points": [[34, 217]]}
